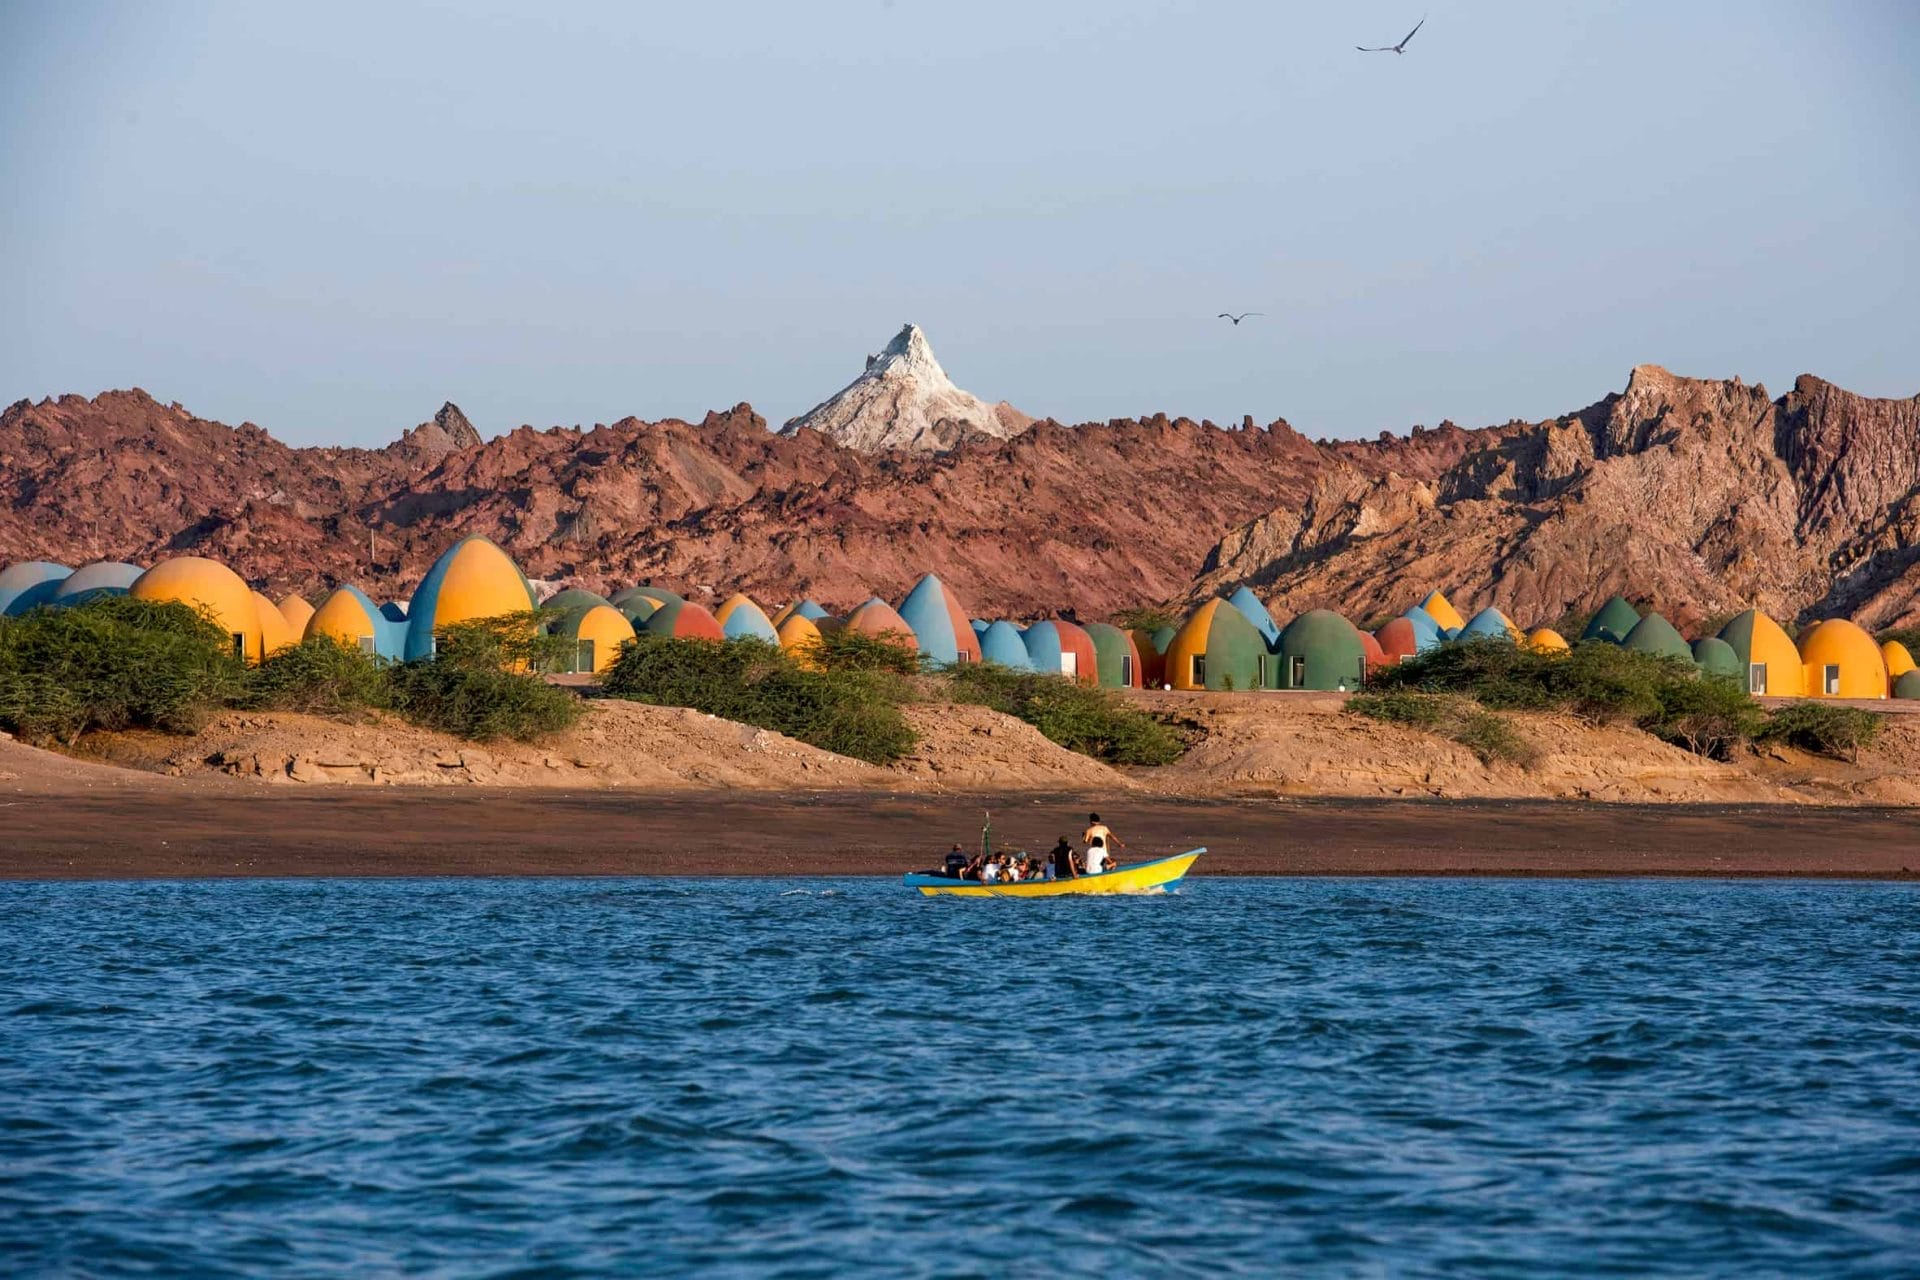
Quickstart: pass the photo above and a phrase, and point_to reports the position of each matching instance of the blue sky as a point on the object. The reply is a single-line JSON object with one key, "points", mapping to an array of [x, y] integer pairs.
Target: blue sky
{"points": [[328, 219]]}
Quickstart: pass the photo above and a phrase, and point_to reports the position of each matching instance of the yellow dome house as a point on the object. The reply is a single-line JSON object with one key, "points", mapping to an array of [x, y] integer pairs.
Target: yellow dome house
{"points": [[1547, 640], [600, 634], [1441, 610], [1898, 660], [1842, 661], [799, 634], [297, 612], [1766, 654], [472, 579], [276, 633], [212, 588]]}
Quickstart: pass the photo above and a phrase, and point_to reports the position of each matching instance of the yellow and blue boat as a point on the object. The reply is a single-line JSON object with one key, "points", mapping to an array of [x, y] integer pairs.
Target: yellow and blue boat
{"points": [[1157, 876]]}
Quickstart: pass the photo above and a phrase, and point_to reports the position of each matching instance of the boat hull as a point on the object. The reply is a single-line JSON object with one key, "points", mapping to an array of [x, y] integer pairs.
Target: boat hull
{"points": [[1157, 876]]}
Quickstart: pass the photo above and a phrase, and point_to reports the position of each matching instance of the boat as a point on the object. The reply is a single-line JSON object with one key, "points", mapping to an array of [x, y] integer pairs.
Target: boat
{"points": [[1157, 876]]}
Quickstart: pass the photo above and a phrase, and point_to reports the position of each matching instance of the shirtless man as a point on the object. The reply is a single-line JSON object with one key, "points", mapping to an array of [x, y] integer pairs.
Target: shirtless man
{"points": [[1101, 843]]}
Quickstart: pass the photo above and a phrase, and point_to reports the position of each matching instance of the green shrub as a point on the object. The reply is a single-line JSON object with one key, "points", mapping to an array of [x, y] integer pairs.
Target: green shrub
{"points": [[113, 663], [1600, 682], [1147, 620], [1908, 636], [479, 702], [1493, 738], [839, 649], [1489, 736], [850, 711], [319, 676], [1824, 729], [1404, 706], [1082, 718], [508, 642], [1710, 715]]}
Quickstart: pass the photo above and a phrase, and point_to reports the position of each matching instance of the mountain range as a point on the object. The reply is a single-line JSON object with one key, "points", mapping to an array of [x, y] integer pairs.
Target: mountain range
{"points": [[1697, 497]]}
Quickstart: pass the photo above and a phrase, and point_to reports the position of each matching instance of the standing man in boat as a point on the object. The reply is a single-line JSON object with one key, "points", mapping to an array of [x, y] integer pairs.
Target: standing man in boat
{"points": [[1101, 843]]}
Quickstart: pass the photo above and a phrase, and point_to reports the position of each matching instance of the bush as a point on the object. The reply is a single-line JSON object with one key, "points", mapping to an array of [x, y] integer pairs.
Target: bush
{"points": [[1710, 716], [1490, 737], [1147, 620], [839, 649], [1404, 706], [1908, 636], [1079, 717], [508, 642], [113, 663], [1824, 729], [850, 711], [319, 676], [1602, 683], [479, 702]]}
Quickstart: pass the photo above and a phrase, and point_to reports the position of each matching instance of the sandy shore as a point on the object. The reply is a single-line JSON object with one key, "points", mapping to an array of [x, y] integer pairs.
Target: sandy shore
{"points": [[147, 832]]}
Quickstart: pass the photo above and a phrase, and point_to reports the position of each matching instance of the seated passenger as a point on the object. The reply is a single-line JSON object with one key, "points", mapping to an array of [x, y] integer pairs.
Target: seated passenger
{"points": [[1096, 856], [956, 861], [990, 873], [1061, 862]]}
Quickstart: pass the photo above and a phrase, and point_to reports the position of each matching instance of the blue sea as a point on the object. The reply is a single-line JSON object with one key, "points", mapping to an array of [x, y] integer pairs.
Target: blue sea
{"points": [[832, 1078]]}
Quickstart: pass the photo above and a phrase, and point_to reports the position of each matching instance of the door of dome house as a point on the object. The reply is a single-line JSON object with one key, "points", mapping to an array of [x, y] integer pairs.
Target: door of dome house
{"points": [[1830, 679], [366, 645], [1757, 678], [240, 645], [1199, 671], [1070, 665], [584, 658], [1126, 671], [1267, 679], [1296, 673]]}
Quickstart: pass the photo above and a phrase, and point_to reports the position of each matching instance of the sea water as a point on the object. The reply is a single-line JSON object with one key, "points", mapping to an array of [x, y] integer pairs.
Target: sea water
{"points": [[830, 1078]]}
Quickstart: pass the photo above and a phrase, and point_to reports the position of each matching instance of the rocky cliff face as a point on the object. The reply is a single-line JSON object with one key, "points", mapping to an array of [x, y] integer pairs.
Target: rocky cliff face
{"points": [[1700, 496], [904, 400]]}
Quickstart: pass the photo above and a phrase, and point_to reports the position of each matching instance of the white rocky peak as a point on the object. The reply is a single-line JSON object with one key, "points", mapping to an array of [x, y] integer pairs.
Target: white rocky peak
{"points": [[904, 400]]}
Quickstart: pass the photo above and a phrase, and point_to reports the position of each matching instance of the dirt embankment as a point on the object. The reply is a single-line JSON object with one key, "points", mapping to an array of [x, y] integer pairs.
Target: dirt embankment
{"points": [[1300, 745], [1249, 747]]}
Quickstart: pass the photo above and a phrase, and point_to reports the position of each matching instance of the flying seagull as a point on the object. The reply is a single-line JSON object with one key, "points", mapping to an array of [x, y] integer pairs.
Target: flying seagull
{"points": [[1228, 315], [1395, 48]]}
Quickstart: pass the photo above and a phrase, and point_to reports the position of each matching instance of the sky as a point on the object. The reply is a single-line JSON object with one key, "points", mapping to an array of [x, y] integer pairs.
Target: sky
{"points": [[327, 219]]}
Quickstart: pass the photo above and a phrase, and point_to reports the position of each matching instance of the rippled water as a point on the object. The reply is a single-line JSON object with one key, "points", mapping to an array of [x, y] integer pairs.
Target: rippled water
{"points": [[824, 1078]]}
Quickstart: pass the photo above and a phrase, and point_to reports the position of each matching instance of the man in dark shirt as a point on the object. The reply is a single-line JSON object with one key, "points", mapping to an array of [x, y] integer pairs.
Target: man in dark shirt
{"points": [[1064, 864], [956, 861]]}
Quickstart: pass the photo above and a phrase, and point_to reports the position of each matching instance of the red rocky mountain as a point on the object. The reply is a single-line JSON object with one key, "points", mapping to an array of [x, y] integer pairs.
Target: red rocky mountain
{"points": [[1699, 496]]}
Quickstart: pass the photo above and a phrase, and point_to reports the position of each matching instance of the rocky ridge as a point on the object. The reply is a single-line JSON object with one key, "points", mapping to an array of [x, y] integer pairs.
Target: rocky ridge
{"points": [[1697, 496]]}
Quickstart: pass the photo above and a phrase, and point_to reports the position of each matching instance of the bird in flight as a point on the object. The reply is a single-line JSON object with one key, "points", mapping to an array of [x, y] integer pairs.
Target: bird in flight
{"points": [[1395, 48], [1228, 315]]}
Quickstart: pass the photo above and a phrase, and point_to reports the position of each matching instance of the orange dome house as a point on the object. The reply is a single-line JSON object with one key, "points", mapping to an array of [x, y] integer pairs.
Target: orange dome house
{"points": [[878, 618], [1898, 660], [799, 637], [472, 579], [214, 590], [297, 612], [276, 633], [683, 620], [1547, 640], [1397, 640], [1376, 657], [1842, 661], [1767, 655]]}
